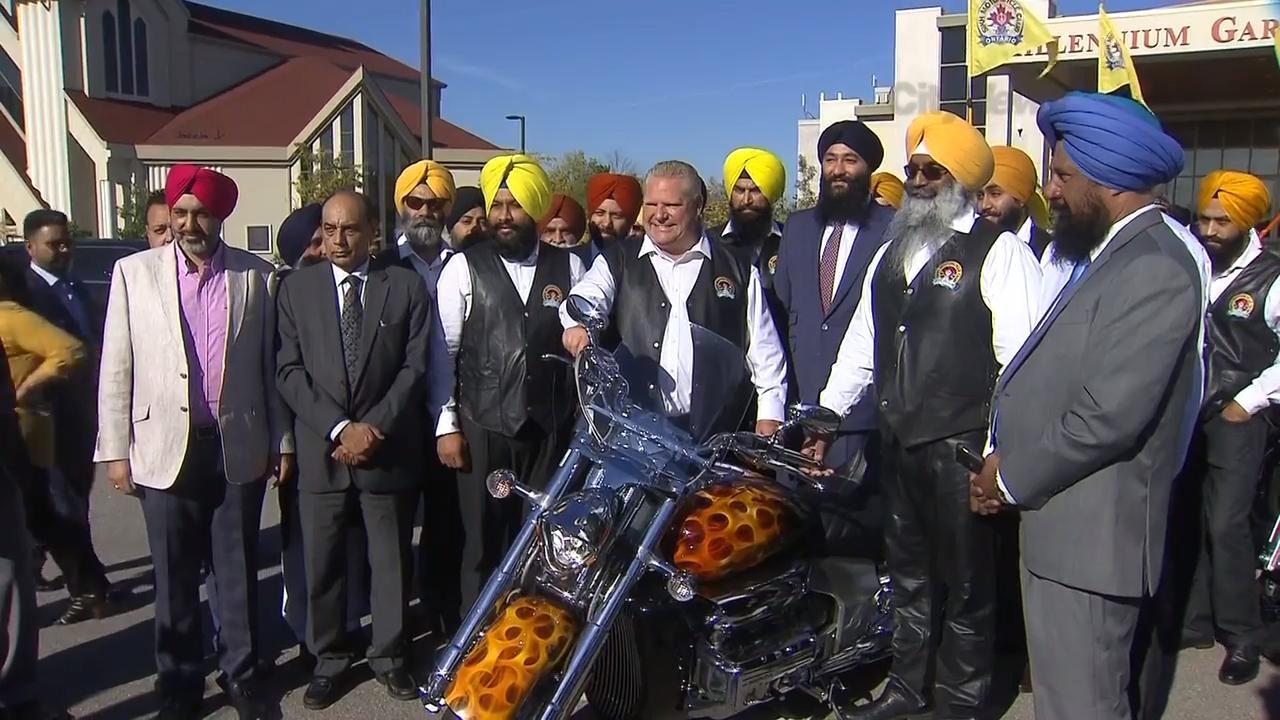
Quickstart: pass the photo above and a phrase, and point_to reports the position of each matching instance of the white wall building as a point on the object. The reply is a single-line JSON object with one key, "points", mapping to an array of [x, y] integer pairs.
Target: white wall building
{"points": [[99, 97], [1208, 70]]}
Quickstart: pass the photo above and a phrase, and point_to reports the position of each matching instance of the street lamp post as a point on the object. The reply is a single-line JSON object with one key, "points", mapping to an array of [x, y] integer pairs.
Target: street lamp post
{"points": [[428, 93], [519, 119]]}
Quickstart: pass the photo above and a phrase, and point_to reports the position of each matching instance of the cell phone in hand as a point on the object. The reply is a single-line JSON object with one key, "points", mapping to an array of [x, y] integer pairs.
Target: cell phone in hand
{"points": [[970, 459]]}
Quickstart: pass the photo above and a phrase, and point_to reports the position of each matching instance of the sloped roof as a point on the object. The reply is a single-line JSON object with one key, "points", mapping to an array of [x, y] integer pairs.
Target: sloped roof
{"points": [[121, 121], [444, 134], [269, 109], [292, 41]]}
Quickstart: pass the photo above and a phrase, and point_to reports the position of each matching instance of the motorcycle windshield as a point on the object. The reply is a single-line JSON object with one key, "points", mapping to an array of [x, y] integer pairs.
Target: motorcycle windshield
{"points": [[711, 399]]}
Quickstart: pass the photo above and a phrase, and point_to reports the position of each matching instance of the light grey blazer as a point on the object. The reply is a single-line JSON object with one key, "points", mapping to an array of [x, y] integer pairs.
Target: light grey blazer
{"points": [[143, 392], [1095, 413]]}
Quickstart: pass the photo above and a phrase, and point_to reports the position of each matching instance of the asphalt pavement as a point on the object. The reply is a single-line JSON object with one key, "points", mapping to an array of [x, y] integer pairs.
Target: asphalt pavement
{"points": [[104, 669]]}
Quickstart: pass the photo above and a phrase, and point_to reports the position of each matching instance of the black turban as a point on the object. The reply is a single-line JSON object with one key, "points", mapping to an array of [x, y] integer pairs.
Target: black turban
{"points": [[465, 199], [296, 232], [857, 136]]}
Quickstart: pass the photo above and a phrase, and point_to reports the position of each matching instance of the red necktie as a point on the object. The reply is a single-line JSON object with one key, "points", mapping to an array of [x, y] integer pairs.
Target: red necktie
{"points": [[827, 267]]}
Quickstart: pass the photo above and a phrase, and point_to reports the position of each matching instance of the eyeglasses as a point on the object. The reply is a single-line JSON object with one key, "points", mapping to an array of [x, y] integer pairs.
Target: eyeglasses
{"points": [[416, 203], [932, 172]]}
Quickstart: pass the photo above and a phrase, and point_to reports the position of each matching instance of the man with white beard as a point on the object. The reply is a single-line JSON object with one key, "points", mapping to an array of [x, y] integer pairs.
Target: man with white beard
{"points": [[946, 303]]}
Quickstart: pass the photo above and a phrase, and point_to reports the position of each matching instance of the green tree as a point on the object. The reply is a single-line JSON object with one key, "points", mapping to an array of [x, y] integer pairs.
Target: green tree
{"points": [[133, 213], [321, 174], [806, 197], [569, 173], [717, 210]]}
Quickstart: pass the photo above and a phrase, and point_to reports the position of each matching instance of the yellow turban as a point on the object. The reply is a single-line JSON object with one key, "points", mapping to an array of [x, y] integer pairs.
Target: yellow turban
{"points": [[763, 167], [888, 186], [1038, 208], [1242, 195], [436, 176], [521, 175], [955, 145], [1014, 172]]}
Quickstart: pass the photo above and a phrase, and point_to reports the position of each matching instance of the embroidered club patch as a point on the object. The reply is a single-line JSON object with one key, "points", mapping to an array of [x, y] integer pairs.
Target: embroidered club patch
{"points": [[552, 296], [948, 275], [725, 288], [1241, 306]]}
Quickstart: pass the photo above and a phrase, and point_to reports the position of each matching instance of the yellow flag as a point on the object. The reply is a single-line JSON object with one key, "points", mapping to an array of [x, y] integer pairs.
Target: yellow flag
{"points": [[1000, 29], [1115, 67]]}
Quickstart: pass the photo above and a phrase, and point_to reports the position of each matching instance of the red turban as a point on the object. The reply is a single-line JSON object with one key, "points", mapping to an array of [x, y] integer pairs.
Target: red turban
{"points": [[216, 191], [567, 209], [624, 189]]}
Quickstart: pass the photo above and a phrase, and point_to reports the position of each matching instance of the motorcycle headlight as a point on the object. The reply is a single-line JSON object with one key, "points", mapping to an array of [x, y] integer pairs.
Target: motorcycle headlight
{"points": [[574, 531]]}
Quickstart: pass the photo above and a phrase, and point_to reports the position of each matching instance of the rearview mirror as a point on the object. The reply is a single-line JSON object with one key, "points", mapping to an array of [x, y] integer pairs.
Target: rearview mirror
{"points": [[586, 313]]}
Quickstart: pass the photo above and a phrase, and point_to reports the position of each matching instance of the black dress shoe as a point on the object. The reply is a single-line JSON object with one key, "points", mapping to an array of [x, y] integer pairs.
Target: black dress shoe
{"points": [[85, 607], [1197, 642], [179, 707], [1240, 665], [399, 684], [321, 693], [244, 698], [893, 704]]}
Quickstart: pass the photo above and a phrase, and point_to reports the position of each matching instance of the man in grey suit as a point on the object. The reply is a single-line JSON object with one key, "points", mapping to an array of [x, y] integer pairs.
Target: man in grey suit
{"points": [[1093, 416]]}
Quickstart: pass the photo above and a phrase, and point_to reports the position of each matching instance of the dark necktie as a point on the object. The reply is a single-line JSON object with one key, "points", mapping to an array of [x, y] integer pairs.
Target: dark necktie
{"points": [[352, 317], [67, 294], [827, 267]]}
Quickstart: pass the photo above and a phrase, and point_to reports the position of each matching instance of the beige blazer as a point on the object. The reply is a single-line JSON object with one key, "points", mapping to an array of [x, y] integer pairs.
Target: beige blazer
{"points": [[143, 390]]}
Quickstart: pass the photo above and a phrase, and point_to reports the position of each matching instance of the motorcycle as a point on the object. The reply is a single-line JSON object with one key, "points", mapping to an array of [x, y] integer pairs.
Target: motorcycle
{"points": [[659, 575]]}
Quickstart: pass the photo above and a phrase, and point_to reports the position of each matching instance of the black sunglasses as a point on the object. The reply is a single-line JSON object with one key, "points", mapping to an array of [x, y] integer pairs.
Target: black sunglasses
{"points": [[415, 203], [932, 172]]}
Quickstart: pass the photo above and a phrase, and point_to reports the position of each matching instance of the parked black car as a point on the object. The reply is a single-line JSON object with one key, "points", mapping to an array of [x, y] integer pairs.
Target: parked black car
{"points": [[94, 260]]}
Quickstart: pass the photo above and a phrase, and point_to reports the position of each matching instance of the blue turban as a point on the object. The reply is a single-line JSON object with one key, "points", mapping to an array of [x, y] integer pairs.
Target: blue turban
{"points": [[1115, 141], [296, 232]]}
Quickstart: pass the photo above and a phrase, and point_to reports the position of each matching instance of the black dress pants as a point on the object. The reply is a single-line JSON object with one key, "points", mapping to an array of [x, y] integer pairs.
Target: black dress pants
{"points": [[941, 561], [440, 546], [203, 518], [1224, 593], [490, 525], [65, 537], [388, 523]]}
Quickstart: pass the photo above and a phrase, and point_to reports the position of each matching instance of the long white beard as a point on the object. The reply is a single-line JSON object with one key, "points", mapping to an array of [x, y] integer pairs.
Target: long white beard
{"points": [[924, 224], [423, 237]]}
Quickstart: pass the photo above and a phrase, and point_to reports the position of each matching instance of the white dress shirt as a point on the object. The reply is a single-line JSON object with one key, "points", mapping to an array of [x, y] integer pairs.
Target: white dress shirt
{"points": [[430, 272], [1265, 389], [453, 298], [842, 255], [1010, 285], [677, 276], [339, 279]]}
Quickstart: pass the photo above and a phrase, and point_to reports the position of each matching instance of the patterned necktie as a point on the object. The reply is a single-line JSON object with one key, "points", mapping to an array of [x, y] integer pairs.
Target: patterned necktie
{"points": [[352, 317], [827, 267]]}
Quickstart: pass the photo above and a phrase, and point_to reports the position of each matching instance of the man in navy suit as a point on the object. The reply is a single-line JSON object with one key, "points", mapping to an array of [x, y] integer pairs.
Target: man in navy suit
{"points": [[823, 259]]}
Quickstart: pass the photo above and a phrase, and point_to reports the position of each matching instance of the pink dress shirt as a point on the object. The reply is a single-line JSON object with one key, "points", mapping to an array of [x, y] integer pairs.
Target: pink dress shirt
{"points": [[203, 298]]}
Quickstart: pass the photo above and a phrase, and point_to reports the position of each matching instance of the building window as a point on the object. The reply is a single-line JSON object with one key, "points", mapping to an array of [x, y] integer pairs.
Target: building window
{"points": [[1251, 145], [258, 238], [125, 52], [109, 51], [372, 131], [140, 69], [957, 94], [11, 87], [347, 132], [326, 141], [126, 47]]}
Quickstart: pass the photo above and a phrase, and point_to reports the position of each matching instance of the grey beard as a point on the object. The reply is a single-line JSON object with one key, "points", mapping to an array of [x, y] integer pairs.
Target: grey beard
{"points": [[925, 223], [423, 237], [202, 247]]}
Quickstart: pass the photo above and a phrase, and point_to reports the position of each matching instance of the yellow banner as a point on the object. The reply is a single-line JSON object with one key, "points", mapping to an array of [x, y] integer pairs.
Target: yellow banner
{"points": [[1001, 29], [1115, 66]]}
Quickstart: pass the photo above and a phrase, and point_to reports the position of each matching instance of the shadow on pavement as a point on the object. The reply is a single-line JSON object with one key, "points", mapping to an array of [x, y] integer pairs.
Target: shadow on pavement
{"points": [[1271, 699]]}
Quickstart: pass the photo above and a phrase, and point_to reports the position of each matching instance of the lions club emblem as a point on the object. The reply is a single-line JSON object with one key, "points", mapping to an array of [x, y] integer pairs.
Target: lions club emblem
{"points": [[948, 275], [725, 288], [1000, 22], [552, 296], [773, 264], [1240, 306]]}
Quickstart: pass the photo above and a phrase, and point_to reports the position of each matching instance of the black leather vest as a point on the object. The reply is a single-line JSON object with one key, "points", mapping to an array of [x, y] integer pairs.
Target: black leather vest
{"points": [[717, 302], [935, 368], [502, 379], [1238, 343]]}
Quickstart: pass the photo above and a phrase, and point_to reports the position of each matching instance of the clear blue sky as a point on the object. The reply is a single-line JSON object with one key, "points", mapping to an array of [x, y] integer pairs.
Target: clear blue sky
{"points": [[651, 79]]}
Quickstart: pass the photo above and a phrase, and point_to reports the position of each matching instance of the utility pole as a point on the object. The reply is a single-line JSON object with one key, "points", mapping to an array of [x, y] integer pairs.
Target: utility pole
{"points": [[428, 92]]}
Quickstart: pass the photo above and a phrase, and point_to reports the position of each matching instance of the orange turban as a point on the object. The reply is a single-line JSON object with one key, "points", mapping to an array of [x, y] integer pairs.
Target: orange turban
{"points": [[623, 189], [955, 145], [567, 209], [1244, 197], [217, 192], [888, 186], [1014, 172]]}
